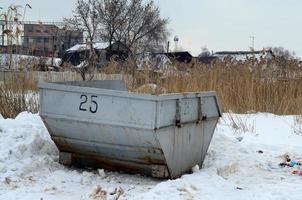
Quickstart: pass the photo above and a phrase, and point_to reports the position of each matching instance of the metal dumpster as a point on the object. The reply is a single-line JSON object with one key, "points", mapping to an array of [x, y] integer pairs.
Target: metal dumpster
{"points": [[101, 124]]}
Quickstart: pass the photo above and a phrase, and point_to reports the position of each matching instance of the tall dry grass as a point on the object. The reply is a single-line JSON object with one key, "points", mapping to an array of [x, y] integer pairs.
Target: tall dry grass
{"points": [[241, 87], [242, 91], [250, 86], [18, 94]]}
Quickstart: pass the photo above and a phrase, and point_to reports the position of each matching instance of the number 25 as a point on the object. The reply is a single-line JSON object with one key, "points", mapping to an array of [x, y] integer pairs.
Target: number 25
{"points": [[93, 108]]}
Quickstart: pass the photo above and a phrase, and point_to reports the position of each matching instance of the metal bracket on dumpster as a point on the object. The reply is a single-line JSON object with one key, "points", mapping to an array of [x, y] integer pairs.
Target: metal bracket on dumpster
{"points": [[178, 113]]}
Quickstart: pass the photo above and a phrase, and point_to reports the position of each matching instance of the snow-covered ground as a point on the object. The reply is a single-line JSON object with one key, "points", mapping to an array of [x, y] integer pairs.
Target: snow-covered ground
{"points": [[25, 61], [242, 163]]}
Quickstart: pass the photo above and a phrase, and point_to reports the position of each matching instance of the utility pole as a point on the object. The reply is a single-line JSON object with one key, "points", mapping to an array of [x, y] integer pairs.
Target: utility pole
{"points": [[168, 46], [2, 29], [2, 33], [253, 42]]}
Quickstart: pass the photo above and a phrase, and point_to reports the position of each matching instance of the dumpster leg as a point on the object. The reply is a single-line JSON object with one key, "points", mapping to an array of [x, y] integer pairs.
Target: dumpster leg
{"points": [[160, 171], [65, 158]]}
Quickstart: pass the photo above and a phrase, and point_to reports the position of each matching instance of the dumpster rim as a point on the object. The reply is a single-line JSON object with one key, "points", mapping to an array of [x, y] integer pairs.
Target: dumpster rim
{"points": [[126, 94]]}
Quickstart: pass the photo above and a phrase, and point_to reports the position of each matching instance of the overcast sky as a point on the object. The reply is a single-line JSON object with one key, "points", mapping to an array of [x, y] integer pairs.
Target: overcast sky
{"points": [[215, 24]]}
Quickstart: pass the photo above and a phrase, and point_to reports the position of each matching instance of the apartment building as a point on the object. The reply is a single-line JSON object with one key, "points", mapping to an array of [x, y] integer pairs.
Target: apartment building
{"points": [[48, 39]]}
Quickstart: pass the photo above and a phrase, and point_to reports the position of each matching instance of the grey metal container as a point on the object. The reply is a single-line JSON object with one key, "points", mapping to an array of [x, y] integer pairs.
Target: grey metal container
{"points": [[100, 124]]}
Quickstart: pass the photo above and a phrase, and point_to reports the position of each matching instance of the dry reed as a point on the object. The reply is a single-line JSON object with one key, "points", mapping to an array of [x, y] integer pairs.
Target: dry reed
{"points": [[17, 95], [249, 86], [240, 87]]}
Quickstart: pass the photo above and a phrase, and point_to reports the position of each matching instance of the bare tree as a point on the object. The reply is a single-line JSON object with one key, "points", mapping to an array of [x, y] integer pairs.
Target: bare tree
{"points": [[11, 29], [136, 25], [129, 21], [282, 58], [112, 17], [86, 18], [143, 26], [282, 52]]}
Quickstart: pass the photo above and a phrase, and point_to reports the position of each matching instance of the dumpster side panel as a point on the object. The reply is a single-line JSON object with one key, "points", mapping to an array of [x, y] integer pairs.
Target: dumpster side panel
{"points": [[181, 147], [186, 145], [98, 108], [160, 136], [211, 110], [87, 131], [106, 142], [209, 128], [119, 135], [210, 106]]}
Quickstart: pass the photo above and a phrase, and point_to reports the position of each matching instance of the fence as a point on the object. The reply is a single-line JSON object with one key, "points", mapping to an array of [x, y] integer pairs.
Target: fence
{"points": [[51, 76]]}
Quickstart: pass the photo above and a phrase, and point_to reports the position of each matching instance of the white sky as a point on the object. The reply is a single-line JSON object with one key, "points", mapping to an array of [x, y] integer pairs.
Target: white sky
{"points": [[215, 24]]}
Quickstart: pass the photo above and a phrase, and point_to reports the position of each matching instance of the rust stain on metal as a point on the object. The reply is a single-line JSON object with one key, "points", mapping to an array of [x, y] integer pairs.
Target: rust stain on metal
{"points": [[63, 144], [149, 160], [144, 165], [112, 165]]}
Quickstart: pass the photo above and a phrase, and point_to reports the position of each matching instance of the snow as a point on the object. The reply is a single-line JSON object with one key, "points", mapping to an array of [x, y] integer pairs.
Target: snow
{"points": [[82, 64], [242, 163], [81, 47], [19, 61], [157, 62], [234, 168], [243, 57]]}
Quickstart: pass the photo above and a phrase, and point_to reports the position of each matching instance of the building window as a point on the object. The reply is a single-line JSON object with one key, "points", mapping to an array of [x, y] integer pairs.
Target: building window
{"points": [[30, 28], [38, 40], [26, 40]]}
